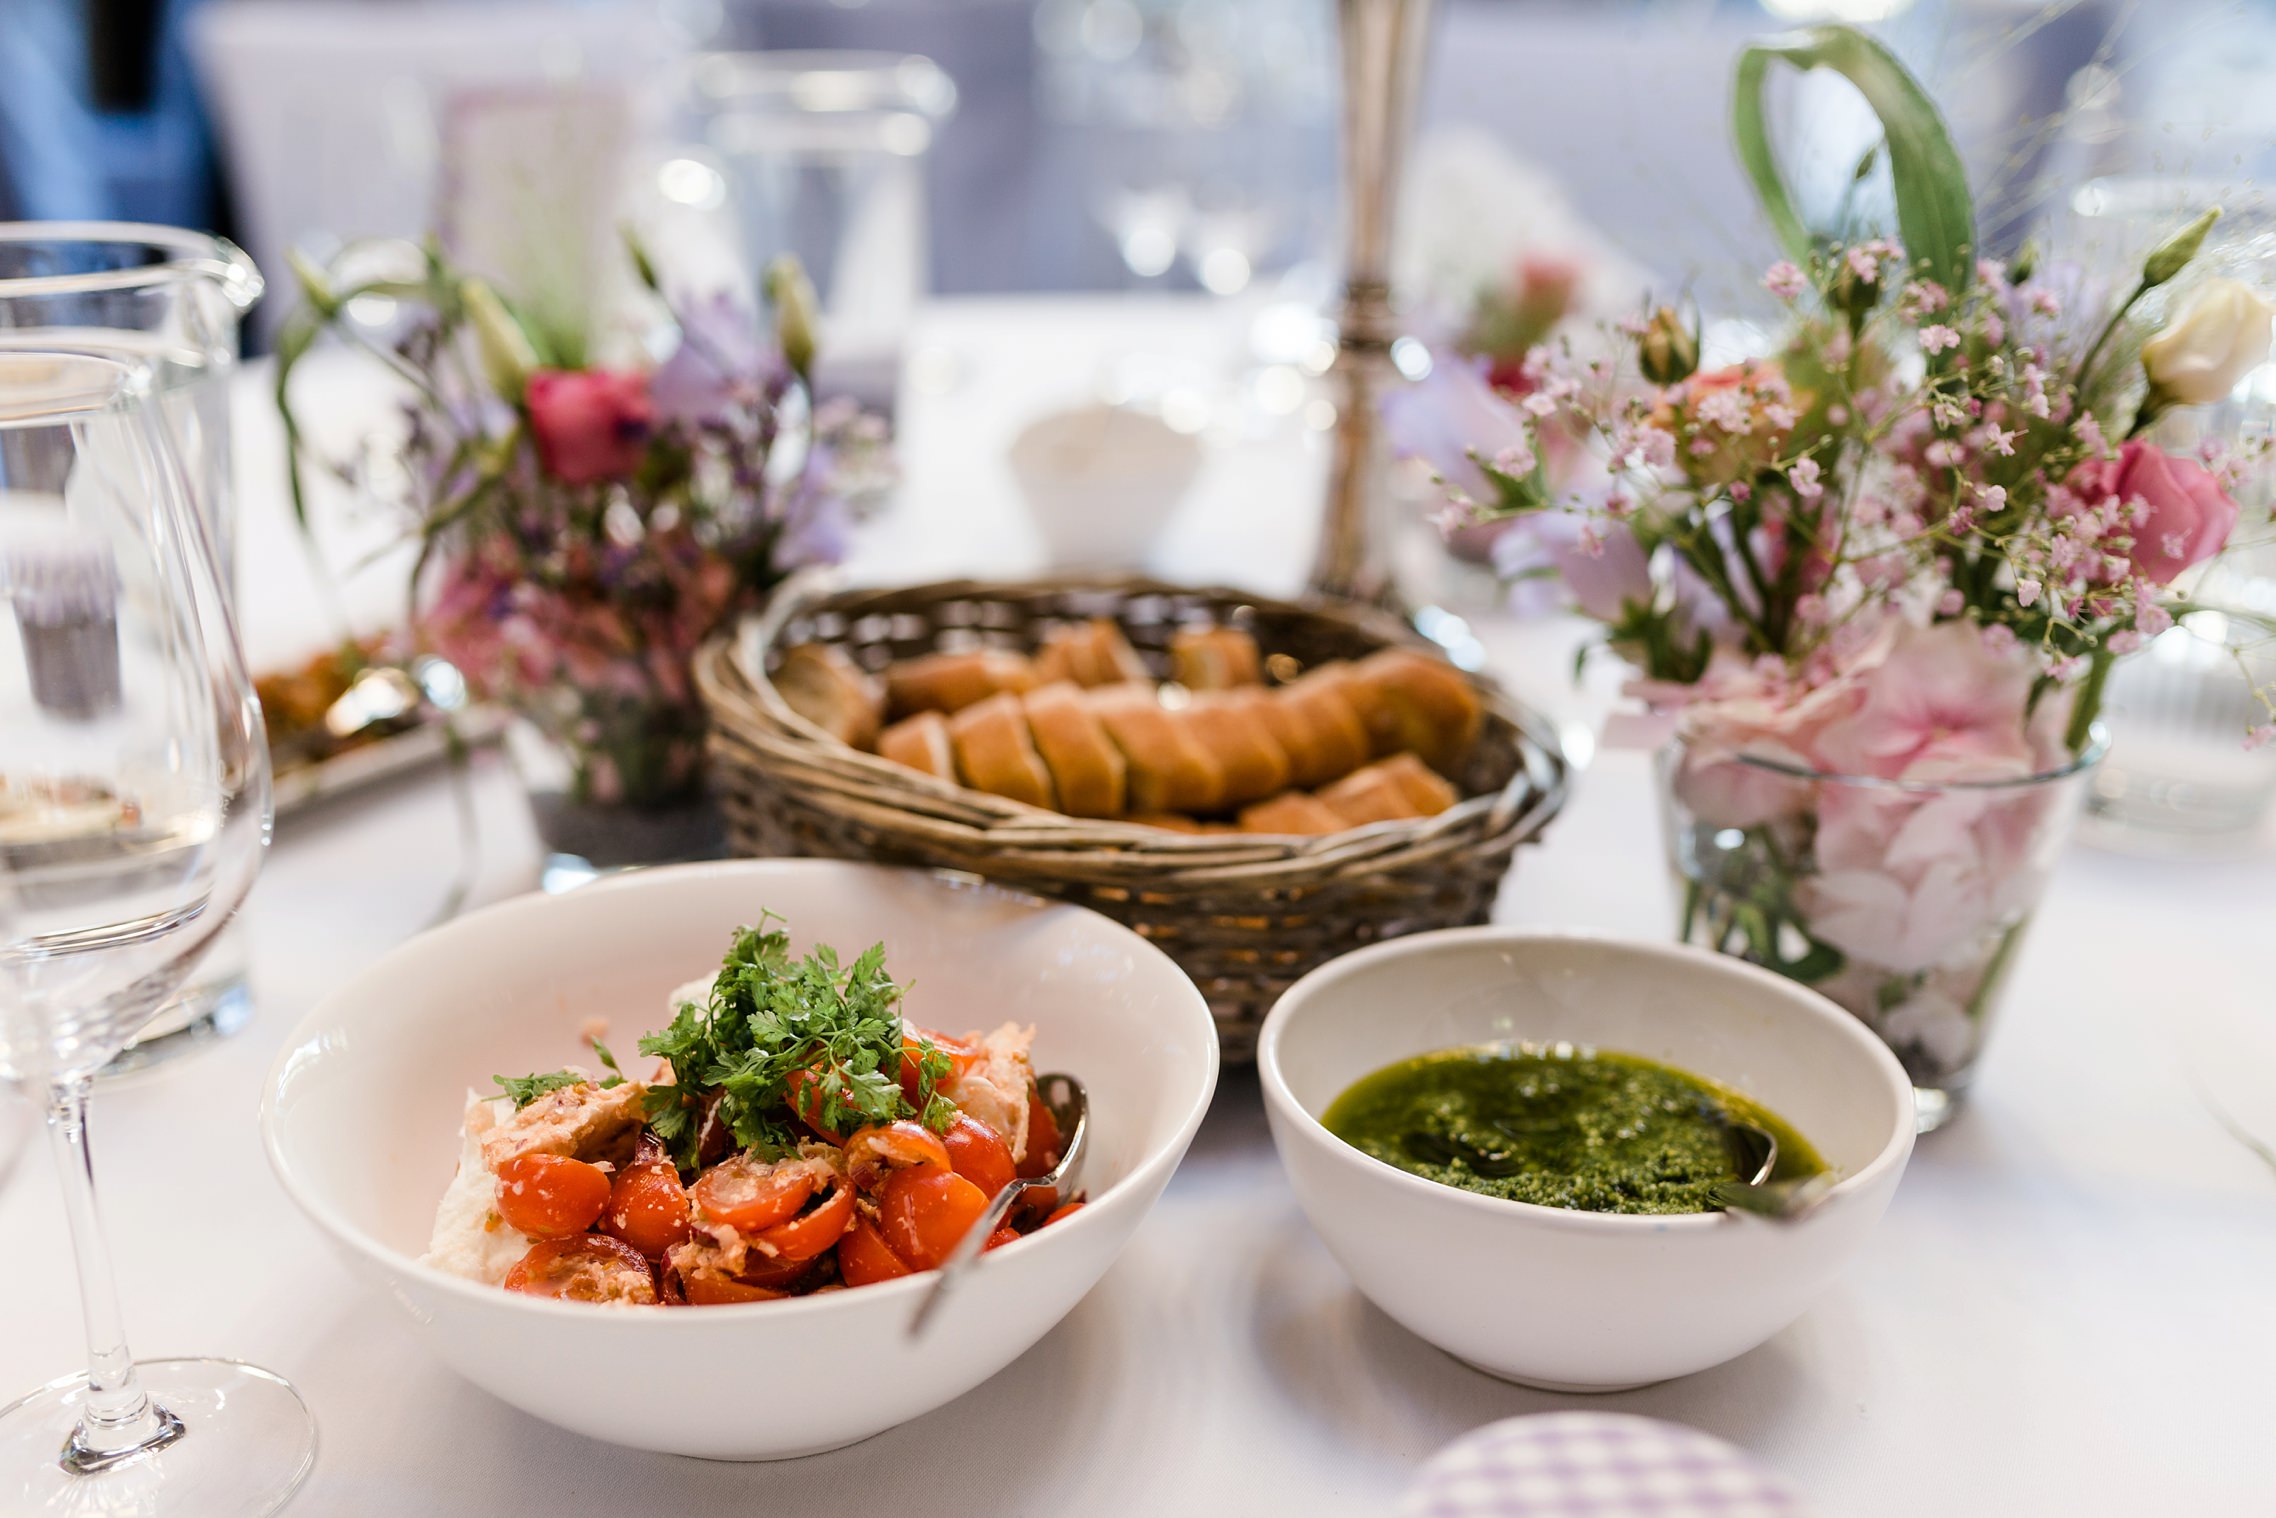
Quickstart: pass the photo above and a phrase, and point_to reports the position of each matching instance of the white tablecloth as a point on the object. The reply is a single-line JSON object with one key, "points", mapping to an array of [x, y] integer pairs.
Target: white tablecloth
{"points": [[2068, 1309]]}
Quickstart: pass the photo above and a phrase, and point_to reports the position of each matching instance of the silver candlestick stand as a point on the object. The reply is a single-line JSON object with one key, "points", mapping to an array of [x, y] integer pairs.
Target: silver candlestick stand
{"points": [[1383, 43]]}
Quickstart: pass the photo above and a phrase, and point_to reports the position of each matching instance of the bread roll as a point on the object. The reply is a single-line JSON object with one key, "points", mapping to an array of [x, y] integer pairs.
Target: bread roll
{"points": [[1169, 770], [1091, 655], [1413, 703], [922, 743], [1397, 787], [1318, 727], [832, 692], [1292, 813], [996, 754], [952, 682], [1215, 658], [1255, 764], [1087, 770]]}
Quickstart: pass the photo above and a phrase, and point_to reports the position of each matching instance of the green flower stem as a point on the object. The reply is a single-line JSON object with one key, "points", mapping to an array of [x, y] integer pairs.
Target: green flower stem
{"points": [[2089, 703]]}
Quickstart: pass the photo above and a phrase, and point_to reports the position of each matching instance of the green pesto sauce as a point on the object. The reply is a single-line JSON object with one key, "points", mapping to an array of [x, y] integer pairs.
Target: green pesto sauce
{"points": [[1558, 1125]]}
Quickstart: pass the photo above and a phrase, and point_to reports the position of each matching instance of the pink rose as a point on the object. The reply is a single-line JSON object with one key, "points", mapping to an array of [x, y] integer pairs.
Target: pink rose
{"points": [[590, 424], [2189, 516]]}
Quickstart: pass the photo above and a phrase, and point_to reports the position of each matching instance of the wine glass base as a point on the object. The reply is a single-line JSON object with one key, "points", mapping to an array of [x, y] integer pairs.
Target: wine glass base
{"points": [[247, 1443], [203, 1014]]}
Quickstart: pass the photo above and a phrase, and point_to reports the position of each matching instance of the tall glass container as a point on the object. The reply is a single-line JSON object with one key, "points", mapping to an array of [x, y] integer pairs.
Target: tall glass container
{"points": [[172, 299], [823, 154]]}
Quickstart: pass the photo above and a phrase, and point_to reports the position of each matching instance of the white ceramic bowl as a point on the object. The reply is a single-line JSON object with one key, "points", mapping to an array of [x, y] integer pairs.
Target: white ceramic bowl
{"points": [[1102, 483], [363, 1107], [1579, 1301]]}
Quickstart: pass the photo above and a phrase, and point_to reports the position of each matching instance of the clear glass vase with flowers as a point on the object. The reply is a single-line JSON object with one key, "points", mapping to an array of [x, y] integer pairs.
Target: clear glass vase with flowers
{"points": [[1877, 573], [583, 528]]}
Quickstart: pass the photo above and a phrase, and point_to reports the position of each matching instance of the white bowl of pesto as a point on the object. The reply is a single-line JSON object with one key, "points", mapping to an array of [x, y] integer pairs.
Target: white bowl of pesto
{"points": [[1552, 1295]]}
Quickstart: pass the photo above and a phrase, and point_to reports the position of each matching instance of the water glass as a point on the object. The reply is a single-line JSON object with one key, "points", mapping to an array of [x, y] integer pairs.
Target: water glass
{"points": [[824, 157]]}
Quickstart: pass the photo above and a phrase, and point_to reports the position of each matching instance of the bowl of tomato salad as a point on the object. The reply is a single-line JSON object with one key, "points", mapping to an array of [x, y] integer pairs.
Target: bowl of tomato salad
{"points": [[574, 1165]]}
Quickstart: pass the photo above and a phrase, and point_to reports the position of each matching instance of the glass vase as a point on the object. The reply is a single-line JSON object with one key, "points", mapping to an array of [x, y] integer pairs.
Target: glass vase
{"points": [[1904, 901], [614, 787]]}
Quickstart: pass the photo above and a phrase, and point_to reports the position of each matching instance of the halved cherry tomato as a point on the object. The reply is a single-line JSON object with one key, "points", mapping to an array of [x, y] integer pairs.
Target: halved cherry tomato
{"points": [[550, 1196], [924, 1212], [747, 1193], [1002, 1236], [774, 1273], [590, 1267], [874, 1152], [708, 1288], [648, 1207], [808, 1234], [864, 1258], [979, 1154], [1067, 1211], [807, 1103], [961, 1057], [1042, 1139]]}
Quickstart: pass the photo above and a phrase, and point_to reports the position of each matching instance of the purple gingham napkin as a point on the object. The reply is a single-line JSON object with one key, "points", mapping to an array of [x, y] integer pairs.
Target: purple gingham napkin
{"points": [[1595, 1465]]}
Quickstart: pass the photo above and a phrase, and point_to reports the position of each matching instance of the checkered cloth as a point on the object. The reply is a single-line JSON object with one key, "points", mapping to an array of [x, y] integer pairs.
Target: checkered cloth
{"points": [[1595, 1465]]}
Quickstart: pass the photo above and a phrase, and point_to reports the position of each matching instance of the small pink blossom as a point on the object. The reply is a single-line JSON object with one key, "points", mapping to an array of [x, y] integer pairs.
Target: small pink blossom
{"points": [[1999, 442], [1937, 337], [2260, 736], [1803, 475], [1784, 280], [1951, 604], [2153, 619], [2046, 302], [1863, 263]]}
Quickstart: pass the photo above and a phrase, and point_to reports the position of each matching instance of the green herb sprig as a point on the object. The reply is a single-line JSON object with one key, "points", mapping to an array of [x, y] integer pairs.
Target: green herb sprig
{"points": [[834, 1029], [525, 1089]]}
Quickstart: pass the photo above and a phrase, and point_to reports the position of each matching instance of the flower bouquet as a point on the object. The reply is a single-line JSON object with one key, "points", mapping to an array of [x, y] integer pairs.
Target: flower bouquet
{"points": [[1878, 570], [583, 529]]}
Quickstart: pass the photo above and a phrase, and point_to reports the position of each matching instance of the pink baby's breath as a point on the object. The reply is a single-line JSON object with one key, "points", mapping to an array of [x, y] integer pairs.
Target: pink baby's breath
{"points": [[1936, 337], [1784, 280]]}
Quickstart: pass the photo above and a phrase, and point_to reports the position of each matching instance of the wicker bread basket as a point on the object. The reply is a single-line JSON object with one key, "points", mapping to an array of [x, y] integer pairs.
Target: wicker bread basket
{"points": [[1244, 915]]}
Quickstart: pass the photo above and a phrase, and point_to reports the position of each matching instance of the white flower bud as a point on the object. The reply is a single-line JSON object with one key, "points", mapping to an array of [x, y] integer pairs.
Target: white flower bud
{"points": [[2219, 335]]}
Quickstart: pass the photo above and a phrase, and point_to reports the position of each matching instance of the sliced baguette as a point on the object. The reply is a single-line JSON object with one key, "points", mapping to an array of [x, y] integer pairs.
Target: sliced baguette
{"points": [[1088, 772], [996, 753]]}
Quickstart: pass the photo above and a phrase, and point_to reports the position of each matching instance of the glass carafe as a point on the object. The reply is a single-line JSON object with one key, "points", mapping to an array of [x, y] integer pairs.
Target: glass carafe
{"points": [[173, 300]]}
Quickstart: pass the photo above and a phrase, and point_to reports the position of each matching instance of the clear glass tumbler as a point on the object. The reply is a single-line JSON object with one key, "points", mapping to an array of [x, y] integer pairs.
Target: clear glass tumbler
{"points": [[134, 808], [824, 157], [171, 299]]}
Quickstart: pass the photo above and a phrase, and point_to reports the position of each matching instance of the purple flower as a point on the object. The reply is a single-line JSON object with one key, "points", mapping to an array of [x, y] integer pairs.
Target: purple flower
{"points": [[723, 364], [1450, 414]]}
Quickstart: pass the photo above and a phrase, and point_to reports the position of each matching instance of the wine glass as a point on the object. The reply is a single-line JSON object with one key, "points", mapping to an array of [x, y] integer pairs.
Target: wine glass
{"points": [[134, 805]]}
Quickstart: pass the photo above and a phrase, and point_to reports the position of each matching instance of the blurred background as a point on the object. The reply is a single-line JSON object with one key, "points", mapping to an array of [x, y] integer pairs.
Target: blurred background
{"points": [[1085, 144]]}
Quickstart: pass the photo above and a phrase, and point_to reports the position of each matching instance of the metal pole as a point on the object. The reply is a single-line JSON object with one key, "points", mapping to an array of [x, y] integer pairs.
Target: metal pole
{"points": [[1383, 44]]}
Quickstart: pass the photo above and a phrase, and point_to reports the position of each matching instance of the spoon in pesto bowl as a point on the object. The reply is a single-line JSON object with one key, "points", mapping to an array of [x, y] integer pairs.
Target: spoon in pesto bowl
{"points": [[1754, 1154], [1070, 1107]]}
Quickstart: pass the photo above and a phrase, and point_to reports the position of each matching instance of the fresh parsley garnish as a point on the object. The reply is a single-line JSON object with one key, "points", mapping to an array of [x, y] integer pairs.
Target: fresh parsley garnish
{"points": [[616, 1071], [770, 1022], [525, 1089]]}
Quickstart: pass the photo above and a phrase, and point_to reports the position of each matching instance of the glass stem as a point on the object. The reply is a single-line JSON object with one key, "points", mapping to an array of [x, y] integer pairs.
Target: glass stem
{"points": [[117, 1415]]}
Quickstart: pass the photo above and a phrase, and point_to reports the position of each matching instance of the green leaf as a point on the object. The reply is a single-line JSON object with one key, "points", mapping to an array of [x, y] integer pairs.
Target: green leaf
{"points": [[1935, 215], [525, 1089]]}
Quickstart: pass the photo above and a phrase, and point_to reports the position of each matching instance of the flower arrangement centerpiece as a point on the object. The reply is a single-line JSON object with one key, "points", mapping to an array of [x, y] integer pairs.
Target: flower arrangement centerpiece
{"points": [[582, 528], [1879, 570]]}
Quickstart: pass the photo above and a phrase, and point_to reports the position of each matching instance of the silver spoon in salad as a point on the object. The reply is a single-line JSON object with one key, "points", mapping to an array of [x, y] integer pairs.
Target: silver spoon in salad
{"points": [[1754, 1154], [1070, 1106]]}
